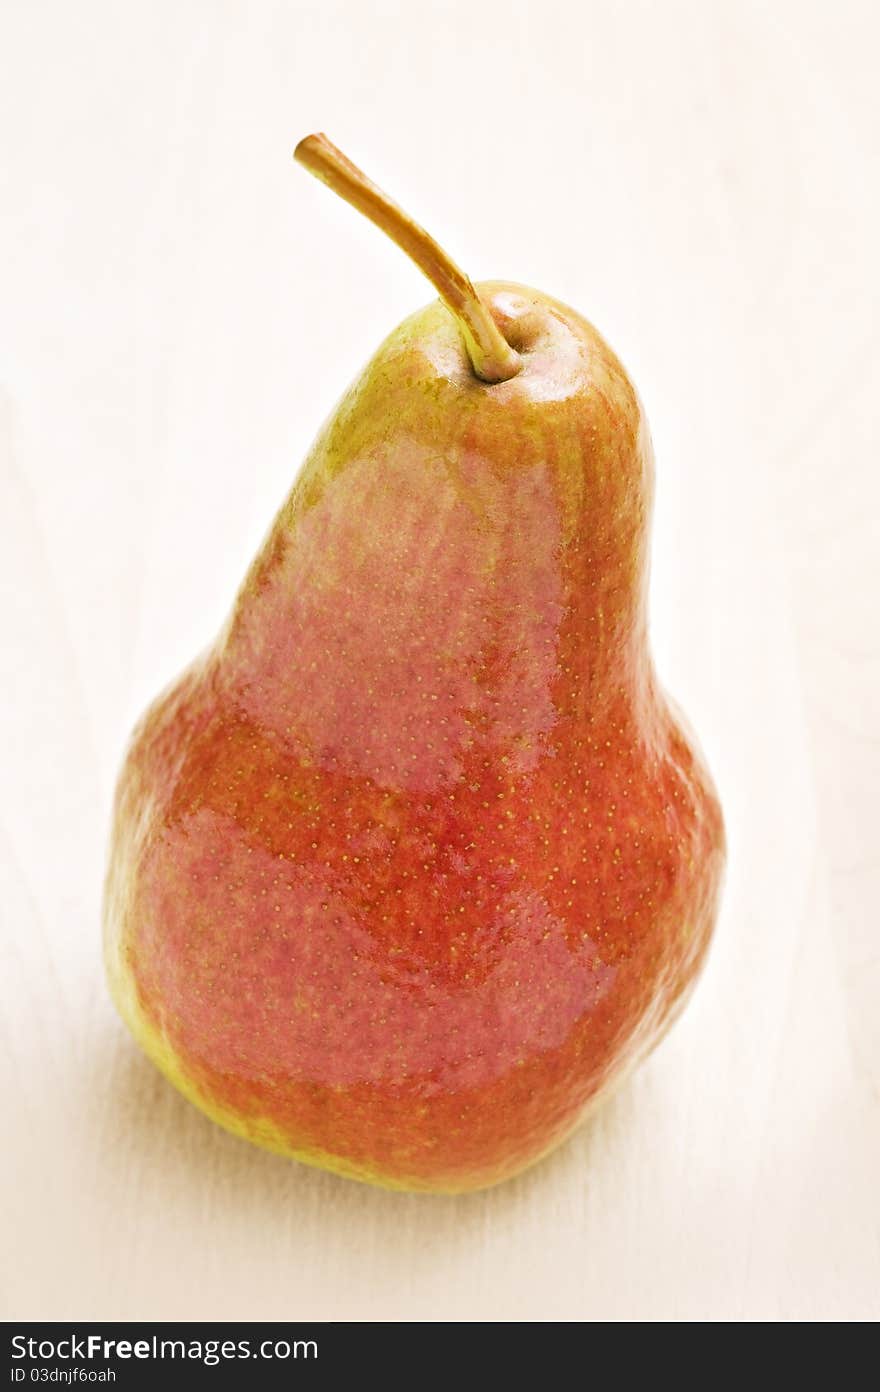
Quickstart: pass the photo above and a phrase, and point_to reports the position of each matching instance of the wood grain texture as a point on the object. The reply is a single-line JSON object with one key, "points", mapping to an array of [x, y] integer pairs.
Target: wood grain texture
{"points": [[174, 334]]}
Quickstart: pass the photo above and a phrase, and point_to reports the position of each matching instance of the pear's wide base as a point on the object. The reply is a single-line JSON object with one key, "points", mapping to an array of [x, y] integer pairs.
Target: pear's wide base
{"points": [[266, 1135]]}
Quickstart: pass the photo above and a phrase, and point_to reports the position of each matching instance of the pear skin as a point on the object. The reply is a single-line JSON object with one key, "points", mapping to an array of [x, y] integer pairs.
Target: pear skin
{"points": [[417, 860]]}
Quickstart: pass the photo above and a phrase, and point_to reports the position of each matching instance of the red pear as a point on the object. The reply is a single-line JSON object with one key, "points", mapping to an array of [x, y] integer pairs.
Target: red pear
{"points": [[417, 860]]}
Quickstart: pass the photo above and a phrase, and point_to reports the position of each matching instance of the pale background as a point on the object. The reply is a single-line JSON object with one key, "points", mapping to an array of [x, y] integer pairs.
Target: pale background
{"points": [[180, 307]]}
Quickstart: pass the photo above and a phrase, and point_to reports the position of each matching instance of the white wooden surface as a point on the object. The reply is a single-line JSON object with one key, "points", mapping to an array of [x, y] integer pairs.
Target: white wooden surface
{"points": [[180, 307]]}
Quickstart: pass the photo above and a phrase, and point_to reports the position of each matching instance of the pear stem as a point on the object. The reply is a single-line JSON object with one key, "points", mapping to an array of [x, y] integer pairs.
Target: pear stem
{"points": [[492, 357]]}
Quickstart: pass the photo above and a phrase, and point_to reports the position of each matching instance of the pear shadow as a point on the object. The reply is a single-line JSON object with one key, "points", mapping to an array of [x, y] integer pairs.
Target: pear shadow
{"points": [[146, 1127]]}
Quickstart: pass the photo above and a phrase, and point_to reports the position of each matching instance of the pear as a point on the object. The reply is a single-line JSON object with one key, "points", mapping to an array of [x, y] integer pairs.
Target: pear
{"points": [[417, 860]]}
